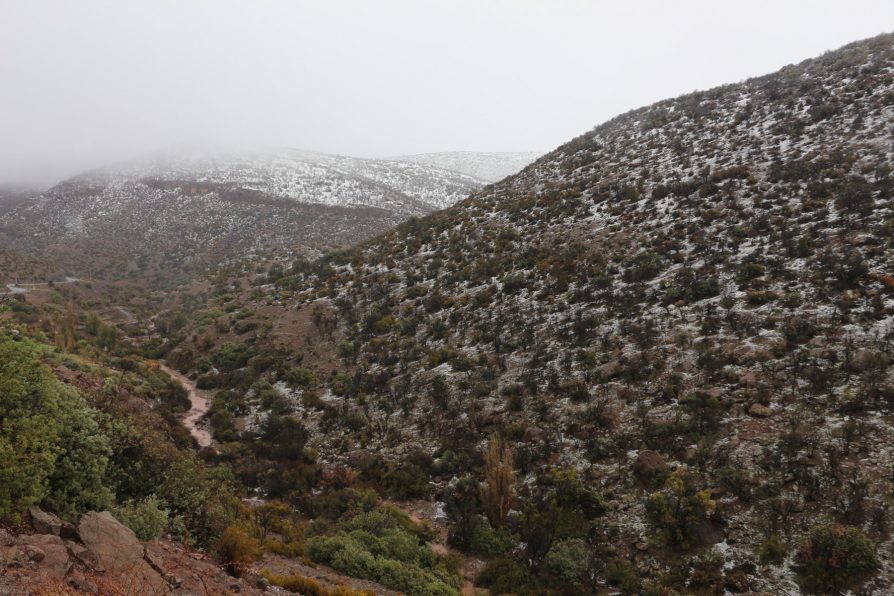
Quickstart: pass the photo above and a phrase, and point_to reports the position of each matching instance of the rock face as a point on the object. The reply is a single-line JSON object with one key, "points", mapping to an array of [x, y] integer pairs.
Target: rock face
{"points": [[43, 522], [102, 556], [120, 553]]}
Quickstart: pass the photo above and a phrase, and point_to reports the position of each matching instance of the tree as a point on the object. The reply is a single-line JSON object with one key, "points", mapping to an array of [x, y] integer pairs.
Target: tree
{"points": [[463, 505], [679, 511], [499, 480]]}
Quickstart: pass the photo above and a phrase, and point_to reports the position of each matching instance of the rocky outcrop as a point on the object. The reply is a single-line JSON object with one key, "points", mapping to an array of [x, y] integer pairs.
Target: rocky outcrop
{"points": [[120, 552], [102, 556]]}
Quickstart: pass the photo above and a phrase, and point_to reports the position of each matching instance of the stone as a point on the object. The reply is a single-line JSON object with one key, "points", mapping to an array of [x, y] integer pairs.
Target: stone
{"points": [[33, 553], [79, 582], [760, 411], [120, 552], [50, 554], [69, 531], [84, 556], [6, 539], [43, 522]]}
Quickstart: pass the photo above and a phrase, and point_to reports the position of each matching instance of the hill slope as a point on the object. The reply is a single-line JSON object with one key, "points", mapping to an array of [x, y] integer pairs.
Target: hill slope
{"points": [[691, 305], [185, 210]]}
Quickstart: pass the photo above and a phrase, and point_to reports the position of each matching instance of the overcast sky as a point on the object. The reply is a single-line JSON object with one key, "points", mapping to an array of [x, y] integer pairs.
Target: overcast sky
{"points": [[84, 83]]}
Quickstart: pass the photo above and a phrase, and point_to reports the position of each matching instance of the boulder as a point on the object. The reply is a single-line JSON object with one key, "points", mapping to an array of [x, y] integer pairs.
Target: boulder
{"points": [[760, 411], [120, 552], [43, 522]]}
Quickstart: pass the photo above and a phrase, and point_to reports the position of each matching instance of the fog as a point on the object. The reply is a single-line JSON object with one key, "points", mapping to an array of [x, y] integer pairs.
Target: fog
{"points": [[85, 83]]}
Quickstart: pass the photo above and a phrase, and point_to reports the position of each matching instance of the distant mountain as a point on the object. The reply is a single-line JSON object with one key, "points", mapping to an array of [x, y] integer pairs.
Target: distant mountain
{"points": [[186, 208], [491, 167]]}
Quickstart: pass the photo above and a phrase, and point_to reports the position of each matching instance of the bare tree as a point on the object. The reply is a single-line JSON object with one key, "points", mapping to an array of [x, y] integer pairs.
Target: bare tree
{"points": [[499, 481]]}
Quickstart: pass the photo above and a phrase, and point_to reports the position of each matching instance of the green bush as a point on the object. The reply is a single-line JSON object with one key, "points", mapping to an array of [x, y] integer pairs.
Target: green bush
{"points": [[772, 550], [300, 377], [52, 450], [503, 576], [407, 482], [568, 560], [384, 546], [485, 540], [623, 574], [147, 518]]}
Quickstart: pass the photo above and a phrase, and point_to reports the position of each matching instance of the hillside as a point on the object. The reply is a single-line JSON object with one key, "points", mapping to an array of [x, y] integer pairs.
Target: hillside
{"points": [[679, 324], [10, 197], [491, 167], [185, 210]]}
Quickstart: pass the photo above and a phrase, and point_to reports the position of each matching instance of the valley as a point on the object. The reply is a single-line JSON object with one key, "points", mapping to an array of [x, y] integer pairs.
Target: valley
{"points": [[656, 360]]}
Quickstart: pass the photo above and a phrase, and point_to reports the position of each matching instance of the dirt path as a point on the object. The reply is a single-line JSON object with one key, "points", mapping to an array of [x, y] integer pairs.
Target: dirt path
{"points": [[200, 403]]}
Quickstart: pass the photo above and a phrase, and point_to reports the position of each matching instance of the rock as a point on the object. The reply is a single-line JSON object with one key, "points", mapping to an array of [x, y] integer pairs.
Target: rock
{"points": [[6, 539], [608, 370], [649, 465], [33, 553], [79, 582], [760, 411], [84, 556], [119, 552], [154, 562], [50, 554], [43, 522], [69, 531]]}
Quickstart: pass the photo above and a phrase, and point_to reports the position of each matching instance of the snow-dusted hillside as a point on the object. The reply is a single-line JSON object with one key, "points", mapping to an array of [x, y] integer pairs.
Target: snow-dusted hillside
{"points": [[193, 206], [488, 166], [314, 178], [690, 307]]}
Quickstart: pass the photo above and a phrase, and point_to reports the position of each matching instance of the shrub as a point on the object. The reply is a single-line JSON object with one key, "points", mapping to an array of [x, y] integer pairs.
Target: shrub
{"points": [[567, 560], [237, 550], [386, 546], [623, 574], [407, 482], [230, 355], [679, 510], [300, 377], [503, 576], [835, 558], [52, 449], [147, 518], [772, 550], [309, 586], [486, 540]]}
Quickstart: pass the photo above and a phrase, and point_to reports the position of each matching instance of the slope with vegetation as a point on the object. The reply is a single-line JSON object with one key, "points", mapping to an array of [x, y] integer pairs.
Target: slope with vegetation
{"points": [[679, 324], [656, 361]]}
